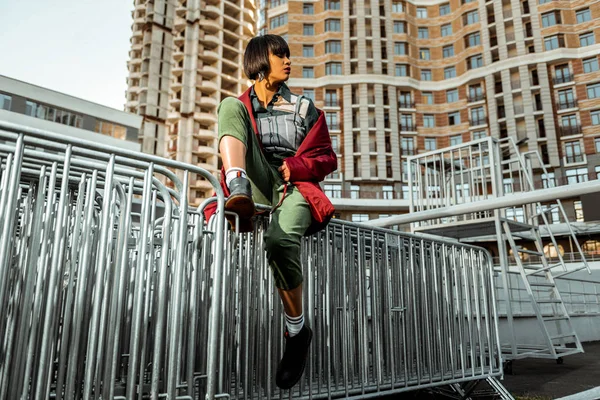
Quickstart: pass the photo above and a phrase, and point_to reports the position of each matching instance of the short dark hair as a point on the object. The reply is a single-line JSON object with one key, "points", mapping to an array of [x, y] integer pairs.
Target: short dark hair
{"points": [[256, 56]]}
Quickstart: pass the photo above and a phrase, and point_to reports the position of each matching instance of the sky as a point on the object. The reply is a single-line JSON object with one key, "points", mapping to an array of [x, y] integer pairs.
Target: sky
{"points": [[78, 47]]}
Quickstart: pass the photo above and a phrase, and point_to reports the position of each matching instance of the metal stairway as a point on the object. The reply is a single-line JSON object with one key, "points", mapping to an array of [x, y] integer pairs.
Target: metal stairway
{"points": [[539, 278]]}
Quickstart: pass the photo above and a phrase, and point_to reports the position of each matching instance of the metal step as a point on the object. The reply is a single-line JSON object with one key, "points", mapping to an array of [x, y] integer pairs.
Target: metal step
{"points": [[545, 284], [570, 272], [557, 318], [532, 252], [565, 335]]}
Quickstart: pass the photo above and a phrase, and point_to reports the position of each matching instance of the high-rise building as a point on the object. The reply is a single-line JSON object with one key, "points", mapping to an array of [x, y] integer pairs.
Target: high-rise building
{"points": [[186, 56], [397, 78]]}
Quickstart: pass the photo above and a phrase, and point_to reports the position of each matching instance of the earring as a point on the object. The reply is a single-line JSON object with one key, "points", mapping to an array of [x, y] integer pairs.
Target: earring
{"points": [[261, 76]]}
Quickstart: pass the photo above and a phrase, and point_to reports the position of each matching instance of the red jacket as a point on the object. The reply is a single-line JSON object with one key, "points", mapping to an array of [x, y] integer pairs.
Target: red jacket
{"points": [[314, 160]]}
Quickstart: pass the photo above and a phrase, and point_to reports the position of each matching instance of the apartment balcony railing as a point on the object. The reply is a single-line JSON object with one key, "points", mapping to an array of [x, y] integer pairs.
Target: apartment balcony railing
{"points": [[408, 128], [408, 152], [519, 109], [570, 130], [563, 105], [334, 126], [563, 79], [576, 158], [510, 36], [406, 104], [472, 98], [332, 103], [478, 121], [515, 84], [507, 14]]}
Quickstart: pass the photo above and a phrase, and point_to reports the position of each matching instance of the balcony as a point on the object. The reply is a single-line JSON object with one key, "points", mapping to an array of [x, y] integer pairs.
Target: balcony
{"points": [[208, 87], [472, 98], [332, 103], [407, 152], [519, 109], [566, 78], [204, 117], [406, 104], [477, 122], [575, 158], [564, 105], [570, 130], [205, 134], [408, 128]]}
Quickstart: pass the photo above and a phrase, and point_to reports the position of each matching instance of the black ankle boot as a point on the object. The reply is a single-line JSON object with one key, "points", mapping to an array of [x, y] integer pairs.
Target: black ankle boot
{"points": [[240, 202], [291, 366]]}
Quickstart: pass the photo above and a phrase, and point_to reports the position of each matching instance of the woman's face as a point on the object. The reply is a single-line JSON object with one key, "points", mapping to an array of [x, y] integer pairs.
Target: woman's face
{"points": [[280, 68]]}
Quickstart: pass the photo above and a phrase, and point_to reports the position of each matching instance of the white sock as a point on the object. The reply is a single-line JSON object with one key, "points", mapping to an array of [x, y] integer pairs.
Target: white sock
{"points": [[232, 173], [294, 324]]}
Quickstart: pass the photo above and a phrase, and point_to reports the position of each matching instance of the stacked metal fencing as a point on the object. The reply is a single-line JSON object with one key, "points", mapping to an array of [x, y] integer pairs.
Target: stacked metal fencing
{"points": [[113, 287]]}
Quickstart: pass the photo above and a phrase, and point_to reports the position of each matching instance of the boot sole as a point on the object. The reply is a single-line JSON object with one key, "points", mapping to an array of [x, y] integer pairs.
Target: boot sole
{"points": [[297, 379], [242, 205]]}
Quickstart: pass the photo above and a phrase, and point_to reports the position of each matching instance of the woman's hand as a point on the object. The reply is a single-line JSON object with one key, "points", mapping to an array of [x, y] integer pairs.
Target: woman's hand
{"points": [[285, 172]]}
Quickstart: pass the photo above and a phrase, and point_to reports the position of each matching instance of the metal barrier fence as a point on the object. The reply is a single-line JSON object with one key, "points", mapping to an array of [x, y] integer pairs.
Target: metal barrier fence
{"points": [[112, 287]]}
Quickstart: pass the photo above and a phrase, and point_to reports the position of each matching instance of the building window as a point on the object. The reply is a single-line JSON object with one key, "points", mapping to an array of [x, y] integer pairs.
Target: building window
{"points": [[430, 144], [407, 145], [355, 190], [397, 7], [399, 27], [444, 9], [554, 42], [477, 116], [308, 50], [451, 95], [590, 65], [275, 3], [586, 39], [548, 180], [308, 30], [333, 191], [475, 93], [406, 122], [110, 129], [428, 121], [400, 48], [454, 118], [427, 97], [446, 30], [471, 17], [475, 61], [333, 47], [308, 9], [593, 91], [332, 4], [595, 117], [424, 54], [576, 175], [474, 39], [479, 135], [550, 19], [308, 72], [278, 21], [335, 143], [401, 70], [332, 120], [423, 33], [449, 72], [454, 140], [578, 211], [388, 192], [573, 152], [57, 115], [333, 68], [421, 12], [331, 98], [360, 217], [583, 15], [333, 25], [425, 74], [448, 51], [310, 93], [5, 102]]}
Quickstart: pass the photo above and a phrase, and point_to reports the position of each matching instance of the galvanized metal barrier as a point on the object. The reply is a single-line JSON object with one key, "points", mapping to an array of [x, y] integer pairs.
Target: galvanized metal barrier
{"points": [[112, 287]]}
